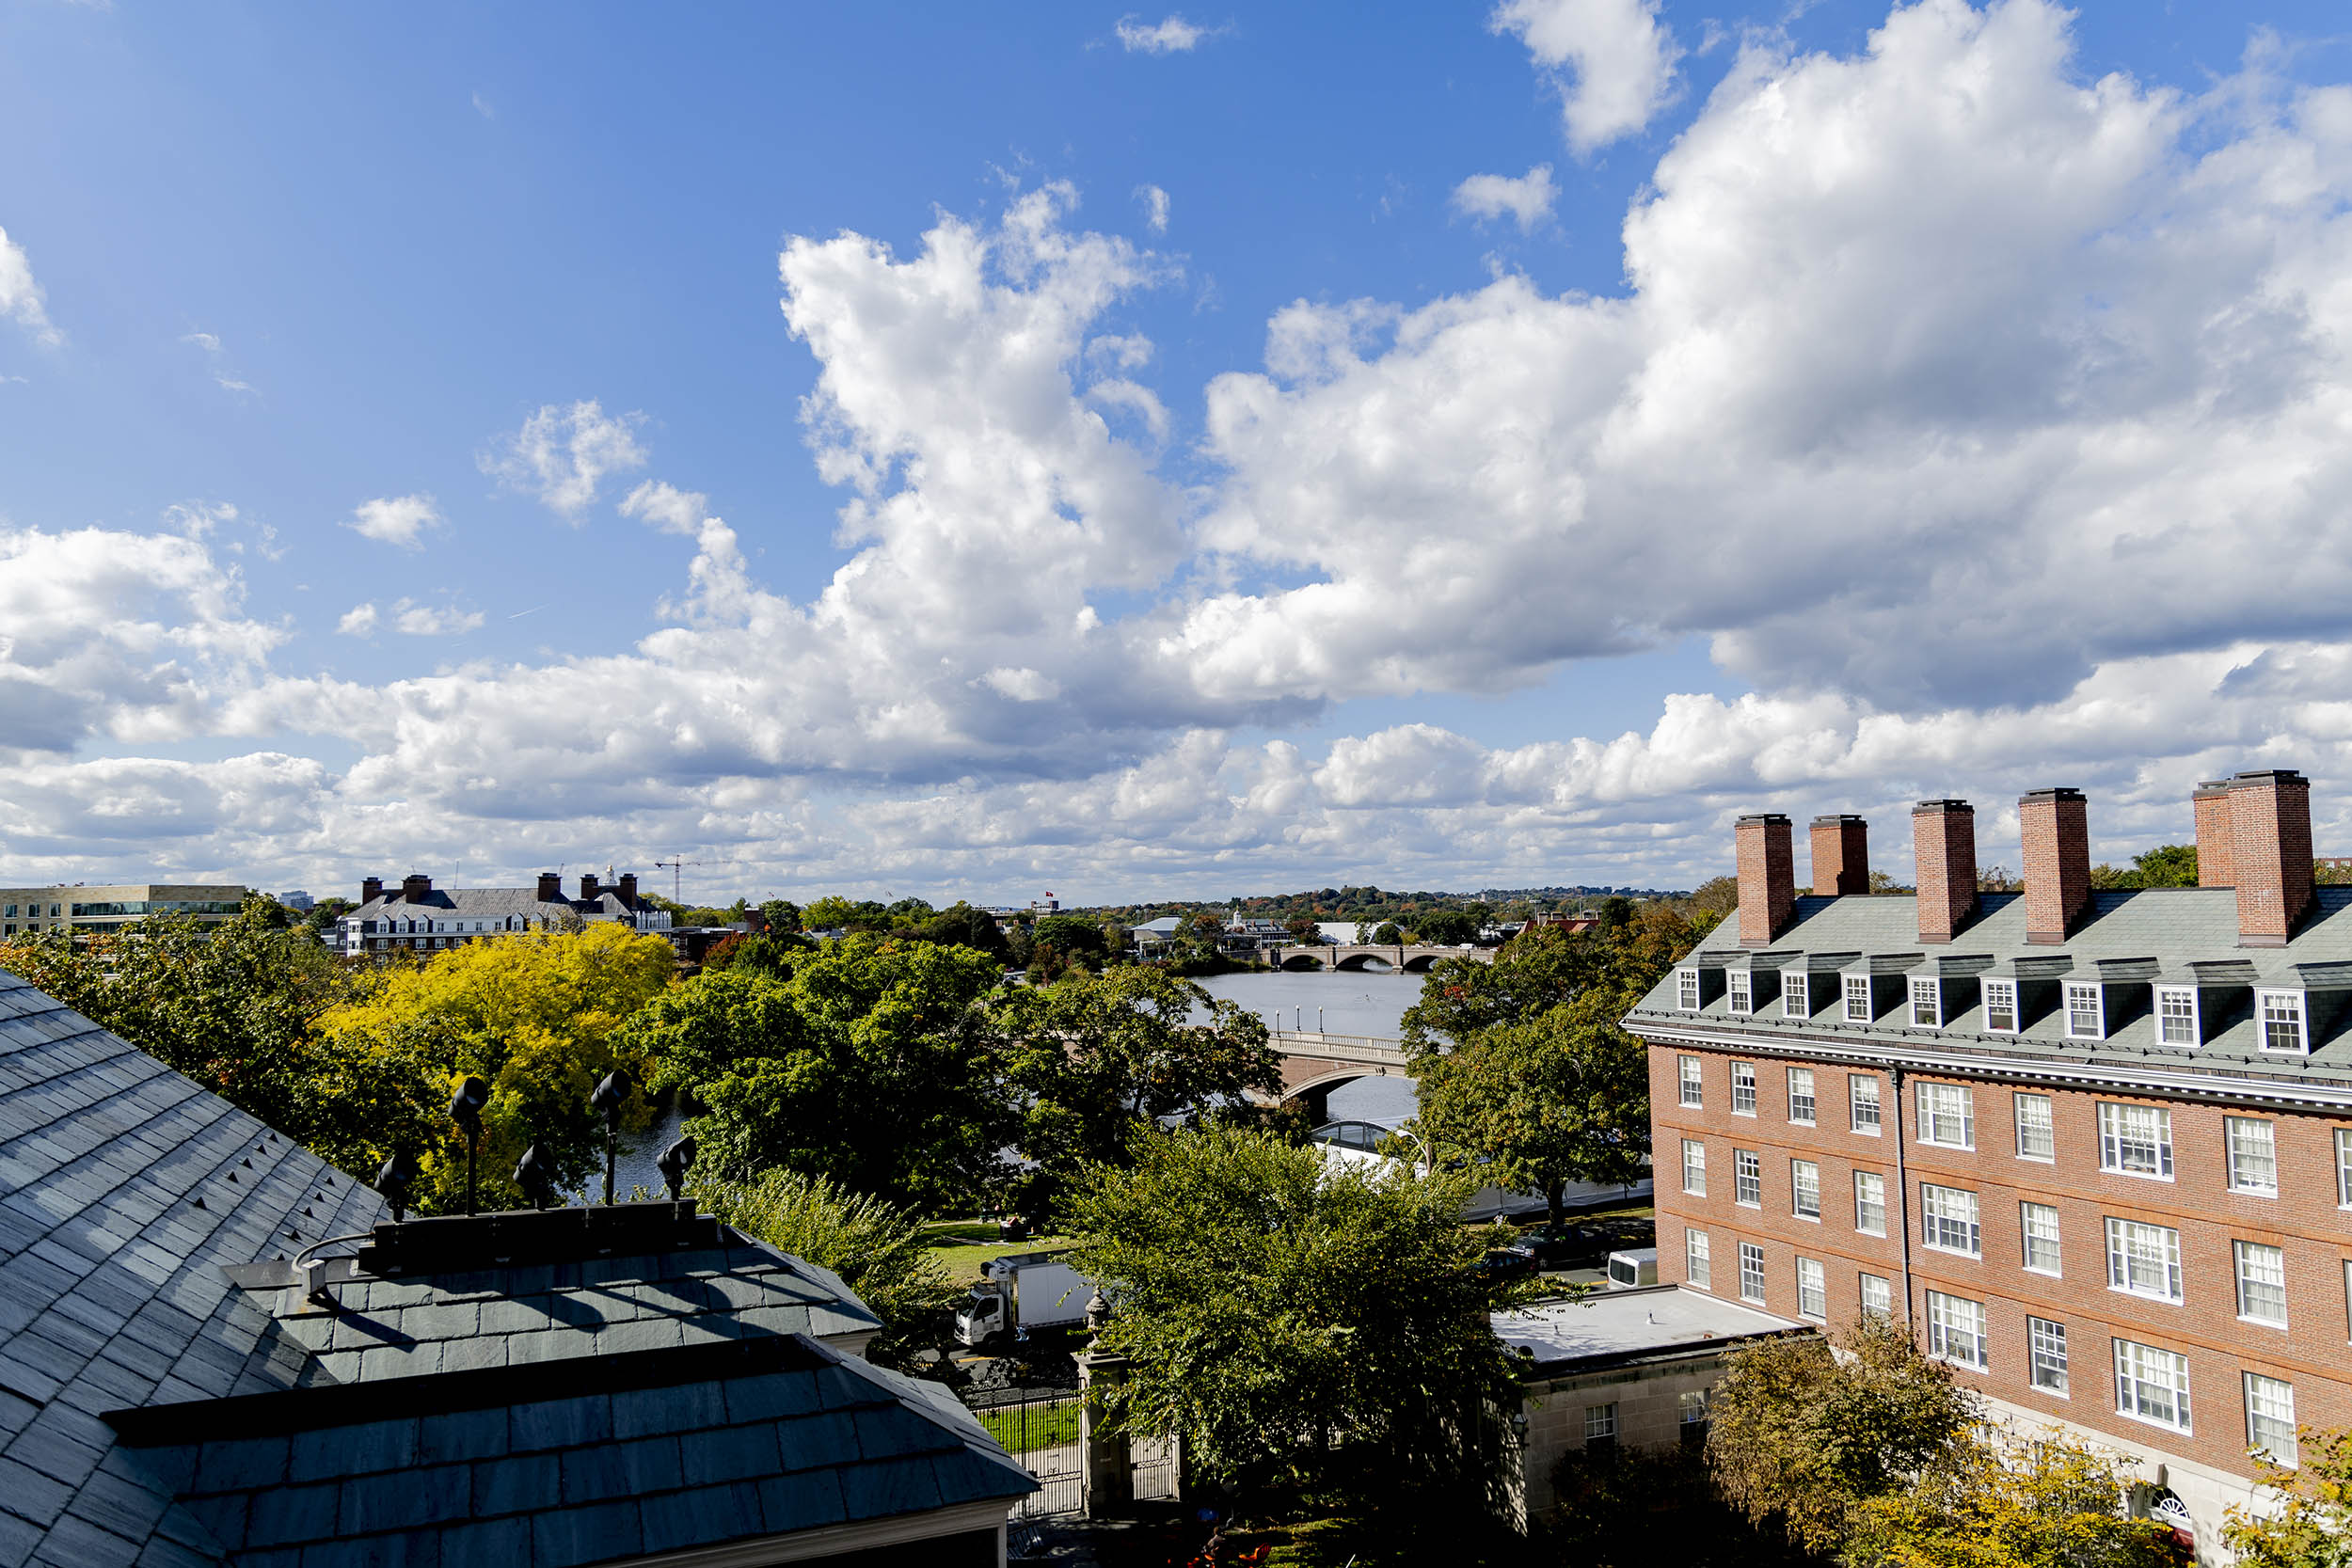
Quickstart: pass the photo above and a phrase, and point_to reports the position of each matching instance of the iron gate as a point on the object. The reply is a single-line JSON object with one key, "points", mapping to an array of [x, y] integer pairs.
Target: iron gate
{"points": [[1041, 1435]]}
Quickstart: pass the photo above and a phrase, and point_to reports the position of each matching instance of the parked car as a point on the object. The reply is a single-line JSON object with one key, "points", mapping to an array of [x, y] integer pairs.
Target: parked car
{"points": [[1505, 1262], [1566, 1246]]}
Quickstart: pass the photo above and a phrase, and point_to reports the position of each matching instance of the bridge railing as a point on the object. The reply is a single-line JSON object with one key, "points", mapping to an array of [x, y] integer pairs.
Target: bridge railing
{"points": [[1315, 1042]]}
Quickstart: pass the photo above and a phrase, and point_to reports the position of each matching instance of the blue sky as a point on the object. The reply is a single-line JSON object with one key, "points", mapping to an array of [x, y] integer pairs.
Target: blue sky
{"points": [[1157, 451]]}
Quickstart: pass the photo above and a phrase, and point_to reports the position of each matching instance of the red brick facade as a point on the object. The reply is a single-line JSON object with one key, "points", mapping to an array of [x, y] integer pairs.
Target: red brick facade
{"points": [[2270, 826], [1841, 856], [2055, 825], [1943, 836], [1768, 877], [2217, 836]]}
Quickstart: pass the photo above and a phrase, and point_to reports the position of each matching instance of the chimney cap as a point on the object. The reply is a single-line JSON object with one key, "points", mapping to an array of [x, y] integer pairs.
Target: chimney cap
{"points": [[1835, 819], [1930, 808], [2058, 794], [1763, 817], [2213, 787], [2268, 775]]}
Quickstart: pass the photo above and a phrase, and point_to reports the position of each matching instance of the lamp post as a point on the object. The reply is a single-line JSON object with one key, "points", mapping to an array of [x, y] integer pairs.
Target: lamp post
{"points": [[609, 1096], [465, 1108]]}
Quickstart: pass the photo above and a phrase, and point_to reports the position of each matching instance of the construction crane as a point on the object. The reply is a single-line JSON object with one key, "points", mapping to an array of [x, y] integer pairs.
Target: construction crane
{"points": [[677, 870]]}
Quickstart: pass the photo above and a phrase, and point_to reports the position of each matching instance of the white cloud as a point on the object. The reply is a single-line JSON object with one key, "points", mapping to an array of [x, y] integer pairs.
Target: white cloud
{"points": [[1170, 35], [358, 621], [561, 455], [667, 507], [1527, 198], [216, 358], [1613, 61], [21, 297], [396, 520], [1154, 208], [412, 618]]}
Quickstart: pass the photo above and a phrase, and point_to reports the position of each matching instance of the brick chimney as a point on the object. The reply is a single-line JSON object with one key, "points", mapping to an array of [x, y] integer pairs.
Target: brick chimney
{"points": [[588, 886], [1841, 856], [415, 887], [1943, 836], [1768, 877], [370, 889], [629, 888], [2216, 836], [2056, 825], [2270, 853], [550, 887]]}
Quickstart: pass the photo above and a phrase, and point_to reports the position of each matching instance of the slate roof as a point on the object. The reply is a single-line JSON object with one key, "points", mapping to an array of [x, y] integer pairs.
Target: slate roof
{"points": [[2175, 928], [488, 903]]}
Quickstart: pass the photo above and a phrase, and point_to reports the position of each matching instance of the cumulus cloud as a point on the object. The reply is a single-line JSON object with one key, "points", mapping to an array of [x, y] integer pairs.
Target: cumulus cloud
{"points": [[358, 621], [561, 455], [667, 507], [396, 520], [1611, 60], [1171, 36], [1154, 203], [412, 618], [21, 297], [1527, 198]]}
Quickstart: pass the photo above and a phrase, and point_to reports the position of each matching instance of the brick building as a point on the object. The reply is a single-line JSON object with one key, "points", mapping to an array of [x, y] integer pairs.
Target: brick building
{"points": [[2096, 1145]]}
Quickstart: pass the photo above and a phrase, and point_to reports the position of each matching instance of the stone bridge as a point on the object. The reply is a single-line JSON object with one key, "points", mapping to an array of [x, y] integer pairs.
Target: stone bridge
{"points": [[1409, 957], [1314, 1064]]}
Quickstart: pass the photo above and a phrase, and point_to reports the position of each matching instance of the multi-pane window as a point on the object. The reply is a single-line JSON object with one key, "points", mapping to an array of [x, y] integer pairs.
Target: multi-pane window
{"points": [[1697, 1266], [1947, 1116], [1878, 1297], [2136, 1140], [2253, 1150], [1687, 989], [1750, 1271], [1743, 1088], [1927, 1005], [1956, 1329], [2040, 1221], [2151, 1384], [1747, 1177], [1804, 1181], [2262, 1282], [2344, 1167], [2282, 1021], [1694, 1168], [2085, 1019], [1741, 992], [2176, 1014], [2270, 1417], [1691, 1414], [1870, 1203], [1801, 1095], [1601, 1423], [1862, 1099], [2144, 1259], [2000, 1005], [1858, 999], [2045, 1352], [2037, 1139], [1796, 995], [1687, 1078], [1948, 1219], [1812, 1289]]}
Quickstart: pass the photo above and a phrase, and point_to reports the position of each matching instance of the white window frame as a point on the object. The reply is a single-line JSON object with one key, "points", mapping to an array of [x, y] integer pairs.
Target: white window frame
{"points": [[1747, 1175], [1951, 1220], [2114, 1139], [1858, 1000], [1927, 1004], [1600, 1422], [2250, 1147], [2139, 1367], [1873, 1182], [1796, 995], [1698, 1265], [1804, 1181], [1957, 1331], [1803, 1106], [2289, 1008], [1743, 1088], [1688, 992], [1751, 1269], [2073, 992], [1738, 990], [2270, 1417], [1691, 1086], [1694, 1168], [2344, 1167], [2036, 1114], [2135, 1246], [1856, 1103], [1812, 1289], [1932, 1117], [1882, 1308], [2046, 1356], [2037, 1228], [2260, 1271], [2184, 999], [1997, 993]]}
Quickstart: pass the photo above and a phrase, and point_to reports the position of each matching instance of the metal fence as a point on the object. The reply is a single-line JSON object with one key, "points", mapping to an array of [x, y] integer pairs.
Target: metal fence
{"points": [[1041, 1433]]}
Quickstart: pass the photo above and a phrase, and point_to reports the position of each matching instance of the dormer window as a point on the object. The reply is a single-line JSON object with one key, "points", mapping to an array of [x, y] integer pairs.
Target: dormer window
{"points": [[1927, 1006], [2086, 1015], [2000, 1006], [2176, 1015], [1687, 989], [1796, 996], [1742, 996], [2282, 1021], [1858, 999]]}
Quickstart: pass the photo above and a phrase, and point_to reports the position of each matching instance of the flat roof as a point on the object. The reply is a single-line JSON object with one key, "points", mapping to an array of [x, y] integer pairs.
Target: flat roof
{"points": [[1630, 1325]]}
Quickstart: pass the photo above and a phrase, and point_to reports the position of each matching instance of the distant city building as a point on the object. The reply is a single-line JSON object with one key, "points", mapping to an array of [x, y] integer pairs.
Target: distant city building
{"points": [[297, 899], [103, 907], [416, 916]]}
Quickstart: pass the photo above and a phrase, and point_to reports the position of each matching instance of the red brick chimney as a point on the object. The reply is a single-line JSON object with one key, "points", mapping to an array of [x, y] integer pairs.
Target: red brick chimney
{"points": [[415, 887], [1768, 877], [629, 888], [2270, 852], [2216, 837], [1841, 856], [588, 886], [550, 887], [2056, 825], [1943, 836], [370, 889]]}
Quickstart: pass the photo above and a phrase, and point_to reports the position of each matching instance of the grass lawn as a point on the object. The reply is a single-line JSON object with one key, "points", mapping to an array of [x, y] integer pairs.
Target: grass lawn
{"points": [[962, 1245], [1025, 1428]]}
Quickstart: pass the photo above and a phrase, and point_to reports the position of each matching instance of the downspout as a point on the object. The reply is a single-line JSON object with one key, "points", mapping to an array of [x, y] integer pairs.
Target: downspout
{"points": [[1902, 1188]]}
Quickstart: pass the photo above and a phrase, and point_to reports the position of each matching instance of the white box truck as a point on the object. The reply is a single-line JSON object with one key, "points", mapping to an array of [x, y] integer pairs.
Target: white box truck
{"points": [[1016, 1294]]}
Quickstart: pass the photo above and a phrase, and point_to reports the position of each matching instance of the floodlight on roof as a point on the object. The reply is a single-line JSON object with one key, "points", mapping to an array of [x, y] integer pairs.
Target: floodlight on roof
{"points": [[465, 1108], [607, 1102], [673, 1165], [397, 1180], [535, 1175]]}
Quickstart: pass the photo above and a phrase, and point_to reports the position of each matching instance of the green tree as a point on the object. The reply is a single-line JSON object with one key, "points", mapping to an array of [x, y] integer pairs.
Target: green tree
{"points": [[962, 926], [1384, 935], [1445, 929], [874, 1064], [2167, 866], [1062, 944], [1303, 929], [2042, 1501], [2304, 1519], [1095, 1054], [1717, 896], [1541, 969], [782, 915], [1306, 1329]]}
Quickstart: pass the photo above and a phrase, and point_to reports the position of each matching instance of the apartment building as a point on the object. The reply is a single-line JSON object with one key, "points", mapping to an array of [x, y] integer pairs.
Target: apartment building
{"points": [[102, 907], [417, 917], [2096, 1147]]}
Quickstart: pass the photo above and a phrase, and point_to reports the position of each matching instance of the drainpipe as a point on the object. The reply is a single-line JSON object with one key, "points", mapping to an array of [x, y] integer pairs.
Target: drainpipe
{"points": [[1902, 1188]]}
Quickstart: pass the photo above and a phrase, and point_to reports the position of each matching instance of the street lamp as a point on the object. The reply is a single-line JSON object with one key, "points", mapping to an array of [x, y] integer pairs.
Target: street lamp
{"points": [[465, 1108]]}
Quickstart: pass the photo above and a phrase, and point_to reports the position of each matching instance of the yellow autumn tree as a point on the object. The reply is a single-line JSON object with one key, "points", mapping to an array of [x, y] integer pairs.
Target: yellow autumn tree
{"points": [[533, 1015], [2004, 1501]]}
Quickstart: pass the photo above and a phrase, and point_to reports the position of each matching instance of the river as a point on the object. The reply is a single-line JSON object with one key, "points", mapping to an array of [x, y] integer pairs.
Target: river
{"points": [[1344, 1001]]}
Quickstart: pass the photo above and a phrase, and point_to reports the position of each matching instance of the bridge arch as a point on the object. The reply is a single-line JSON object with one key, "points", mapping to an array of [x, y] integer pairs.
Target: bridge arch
{"points": [[1420, 963], [1302, 962], [1359, 963]]}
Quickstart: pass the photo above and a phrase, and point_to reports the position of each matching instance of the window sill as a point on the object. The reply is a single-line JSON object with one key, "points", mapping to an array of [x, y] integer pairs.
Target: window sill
{"points": [[2253, 1191], [2151, 1421], [2048, 1392], [1937, 1143], [2147, 1295], [1976, 1257], [1744, 1203], [2038, 1159], [1875, 1235], [1866, 1131], [1809, 1219], [2045, 1273], [1956, 1361], [1802, 1122], [2136, 1175], [2262, 1323]]}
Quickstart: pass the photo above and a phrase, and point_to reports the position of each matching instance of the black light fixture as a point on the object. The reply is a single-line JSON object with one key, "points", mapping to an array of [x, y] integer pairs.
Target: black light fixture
{"points": [[397, 1180], [465, 1108], [607, 1102], [534, 1173], [674, 1164]]}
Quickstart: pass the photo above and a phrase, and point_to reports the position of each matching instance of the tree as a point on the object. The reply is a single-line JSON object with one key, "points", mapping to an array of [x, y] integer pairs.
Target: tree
{"points": [[873, 1064], [962, 926], [2306, 1520], [2041, 1501], [1717, 894], [537, 1015], [1062, 942], [1383, 934], [1305, 1328], [1445, 929], [1303, 929], [878, 1248], [782, 915], [2167, 866], [1539, 970], [1095, 1054]]}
